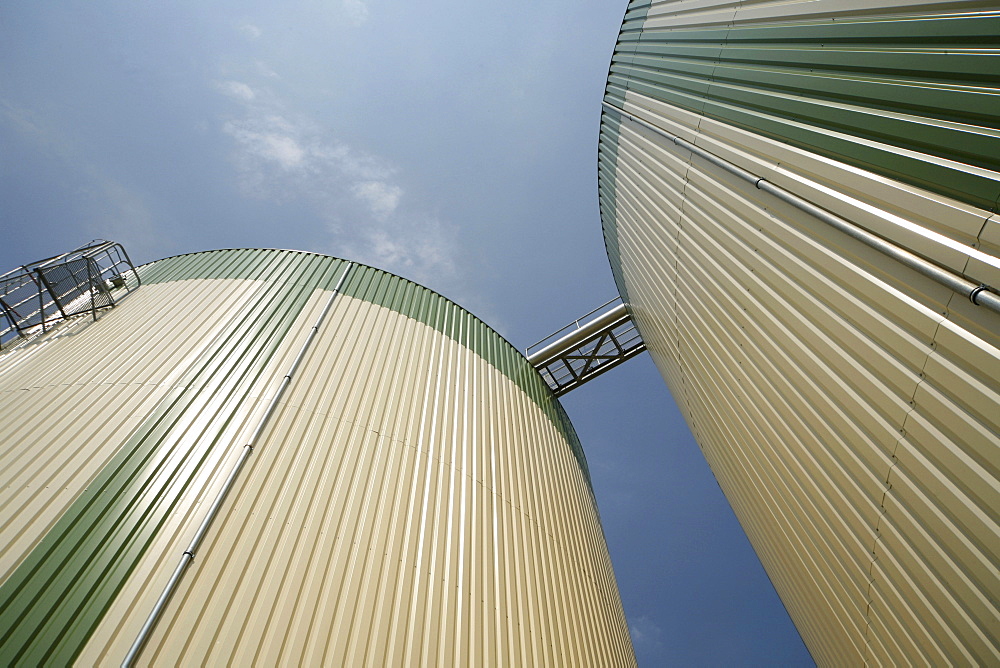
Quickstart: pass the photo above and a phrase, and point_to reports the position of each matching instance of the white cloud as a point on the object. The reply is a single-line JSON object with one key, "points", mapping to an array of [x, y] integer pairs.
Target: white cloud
{"points": [[268, 140], [236, 89], [22, 120], [382, 198], [647, 636], [284, 150], [419, 247], [249, 30], [285, 157], [356, 10], [357, 165], [265, 70]]}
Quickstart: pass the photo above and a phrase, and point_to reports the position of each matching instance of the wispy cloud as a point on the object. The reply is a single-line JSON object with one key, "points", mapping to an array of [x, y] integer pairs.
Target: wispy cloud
{"points": [[27, 123], [424, 252], [236, 89], [381, 197], [263, 145], [647, 637], [285, 157], [356, 10], [249, 30], [264, 70]]}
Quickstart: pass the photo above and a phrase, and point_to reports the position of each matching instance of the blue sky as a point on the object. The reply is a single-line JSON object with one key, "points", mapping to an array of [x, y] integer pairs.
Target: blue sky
{"points": [[452, 143]]}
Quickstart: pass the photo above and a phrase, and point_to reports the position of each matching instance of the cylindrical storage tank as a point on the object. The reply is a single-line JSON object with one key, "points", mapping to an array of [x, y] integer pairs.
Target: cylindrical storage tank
{"points": [[416, 496], [848, 404]]}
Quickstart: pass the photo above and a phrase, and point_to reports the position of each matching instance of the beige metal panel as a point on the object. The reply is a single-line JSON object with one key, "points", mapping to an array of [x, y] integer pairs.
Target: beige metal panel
{"points": [[443, 514], [804, 573], [901, 212], [779, 473], [683, 13], [783, 10], [848, 407], [132, 604], [101, 380], [936, 227], [718, 13], [917, 544], [989, 237], [420, 508]]}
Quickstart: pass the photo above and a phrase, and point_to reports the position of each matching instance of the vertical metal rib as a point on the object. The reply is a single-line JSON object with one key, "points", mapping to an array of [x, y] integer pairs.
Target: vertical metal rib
{"points": [[978, 294], [188, 556]]}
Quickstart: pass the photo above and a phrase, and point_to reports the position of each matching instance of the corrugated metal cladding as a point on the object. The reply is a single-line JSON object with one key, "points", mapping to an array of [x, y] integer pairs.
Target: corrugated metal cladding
{"points": [[417, 498], [848, 406]]}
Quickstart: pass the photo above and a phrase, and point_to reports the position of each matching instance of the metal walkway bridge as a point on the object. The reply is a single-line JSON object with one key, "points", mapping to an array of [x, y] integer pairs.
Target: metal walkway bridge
{"points": [[587, 347]]}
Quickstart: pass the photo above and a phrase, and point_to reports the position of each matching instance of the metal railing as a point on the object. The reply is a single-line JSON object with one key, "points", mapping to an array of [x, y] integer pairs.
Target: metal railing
{"points": [[37, 295], [586, 348]]}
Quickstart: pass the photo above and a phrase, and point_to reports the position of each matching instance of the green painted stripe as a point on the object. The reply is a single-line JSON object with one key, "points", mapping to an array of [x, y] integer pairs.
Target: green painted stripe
{"points": [[607, 145], [47, 616], [393, 292], [607, 170], [926, 84]]}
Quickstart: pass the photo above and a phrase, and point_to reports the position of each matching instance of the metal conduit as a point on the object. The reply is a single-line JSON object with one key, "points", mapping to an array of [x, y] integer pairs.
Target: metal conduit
{"points": [[188, 556], [978, 294]]}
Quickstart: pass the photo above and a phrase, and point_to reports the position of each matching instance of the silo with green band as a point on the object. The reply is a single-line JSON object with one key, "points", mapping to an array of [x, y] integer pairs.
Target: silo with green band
{"points": [[268, 456], [799, 202]]}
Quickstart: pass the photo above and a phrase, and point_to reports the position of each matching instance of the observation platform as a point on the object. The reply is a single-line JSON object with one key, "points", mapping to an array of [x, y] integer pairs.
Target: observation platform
{"points": [[36, 296]]}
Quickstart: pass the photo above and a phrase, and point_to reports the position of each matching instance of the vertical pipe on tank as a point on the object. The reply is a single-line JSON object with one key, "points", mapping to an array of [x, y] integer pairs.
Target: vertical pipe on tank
{"points": [[188, 556]]}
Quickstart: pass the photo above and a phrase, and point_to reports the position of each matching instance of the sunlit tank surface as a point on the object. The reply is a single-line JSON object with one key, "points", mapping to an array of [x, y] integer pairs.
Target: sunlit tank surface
{"points": [[416, 497], [848, 404]]}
